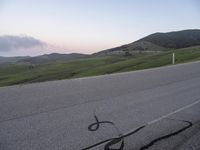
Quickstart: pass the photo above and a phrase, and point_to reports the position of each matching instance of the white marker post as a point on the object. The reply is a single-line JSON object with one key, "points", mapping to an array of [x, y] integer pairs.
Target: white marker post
{"points": [[173, 58]]}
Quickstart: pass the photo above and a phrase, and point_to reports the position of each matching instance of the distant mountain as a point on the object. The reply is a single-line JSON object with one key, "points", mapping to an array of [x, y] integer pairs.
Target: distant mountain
{"points": [[177, 39], [157, 42], [47, 58], [135, 47], [6, 60]]}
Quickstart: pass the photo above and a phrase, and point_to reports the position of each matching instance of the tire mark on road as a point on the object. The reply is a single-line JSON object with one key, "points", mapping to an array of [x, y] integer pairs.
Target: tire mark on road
{"points": [[168, 135], [95, 126], [112, 141], [120, 137]]}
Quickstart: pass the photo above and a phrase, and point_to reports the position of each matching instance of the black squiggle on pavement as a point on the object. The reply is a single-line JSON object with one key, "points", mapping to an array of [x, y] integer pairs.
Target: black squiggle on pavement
{"points": [[95, 126], [112, 141], [168, 135], [120, 139]]}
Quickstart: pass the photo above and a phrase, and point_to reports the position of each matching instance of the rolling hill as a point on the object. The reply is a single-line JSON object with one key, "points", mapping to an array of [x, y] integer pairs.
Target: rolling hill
{"points": [[175, 40], [53, 57], [6, 60], [41, 59], [154, 43], [157, 42], [131, 49], [151, 51], [11, 74]]}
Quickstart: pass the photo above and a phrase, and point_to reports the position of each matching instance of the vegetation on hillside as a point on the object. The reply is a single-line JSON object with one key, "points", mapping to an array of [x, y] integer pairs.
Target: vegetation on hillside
{"points": [[157, 42], [11, 74], [177, 39]]}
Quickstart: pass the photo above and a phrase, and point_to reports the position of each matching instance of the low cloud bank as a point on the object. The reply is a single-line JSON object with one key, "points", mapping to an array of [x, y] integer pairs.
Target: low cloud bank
{"points": [[10, 42]]}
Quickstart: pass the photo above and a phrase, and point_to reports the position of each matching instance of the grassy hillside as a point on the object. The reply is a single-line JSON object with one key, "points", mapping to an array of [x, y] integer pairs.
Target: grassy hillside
{"points": [[23, 73], [132, 48], [176, 39], [157, 42]]}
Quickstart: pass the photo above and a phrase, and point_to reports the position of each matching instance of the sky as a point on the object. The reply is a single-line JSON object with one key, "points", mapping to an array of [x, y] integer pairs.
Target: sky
{"points": [[35, 27]]}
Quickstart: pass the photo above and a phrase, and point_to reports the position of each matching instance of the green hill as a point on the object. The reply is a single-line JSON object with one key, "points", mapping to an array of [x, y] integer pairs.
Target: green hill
{"points": [[42, 59], [11, 74], [177, 39], [157, 42]]}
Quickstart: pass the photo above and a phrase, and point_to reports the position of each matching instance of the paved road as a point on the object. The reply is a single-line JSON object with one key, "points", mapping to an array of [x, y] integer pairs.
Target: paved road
{"points": [[154, 109]]}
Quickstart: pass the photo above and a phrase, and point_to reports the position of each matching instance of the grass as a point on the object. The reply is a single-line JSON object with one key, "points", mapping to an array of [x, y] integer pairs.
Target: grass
{"points": [[21, 73]]}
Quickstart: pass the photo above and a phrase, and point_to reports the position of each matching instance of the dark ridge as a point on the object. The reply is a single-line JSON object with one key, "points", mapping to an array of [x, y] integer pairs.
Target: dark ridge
{"points": [[176, 39], [157, 42], [48, 58]]}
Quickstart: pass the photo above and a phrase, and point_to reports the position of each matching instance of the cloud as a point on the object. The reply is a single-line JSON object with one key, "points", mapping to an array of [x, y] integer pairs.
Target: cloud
{"points": [[10, 42]]}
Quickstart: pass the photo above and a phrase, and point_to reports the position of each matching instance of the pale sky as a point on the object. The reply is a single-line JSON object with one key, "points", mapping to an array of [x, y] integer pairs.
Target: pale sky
{"points": [[33, 27]]}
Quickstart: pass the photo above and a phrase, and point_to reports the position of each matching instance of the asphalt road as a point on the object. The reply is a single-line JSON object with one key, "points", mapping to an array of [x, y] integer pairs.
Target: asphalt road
{"points": [[151, 109]]}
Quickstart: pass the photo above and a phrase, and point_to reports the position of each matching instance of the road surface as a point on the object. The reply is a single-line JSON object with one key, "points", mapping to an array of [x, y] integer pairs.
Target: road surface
{"points": [[149, 109]]}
